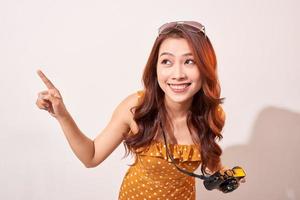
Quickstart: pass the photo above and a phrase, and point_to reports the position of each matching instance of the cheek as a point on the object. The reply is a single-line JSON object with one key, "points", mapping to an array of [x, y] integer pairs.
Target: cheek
{"points": [[195, 76], [162, 78], [195, 72], [162, 75]]}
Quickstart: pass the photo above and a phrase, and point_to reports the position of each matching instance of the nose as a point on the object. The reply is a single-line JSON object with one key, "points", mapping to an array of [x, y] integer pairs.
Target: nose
{"points": [[178, 72]]}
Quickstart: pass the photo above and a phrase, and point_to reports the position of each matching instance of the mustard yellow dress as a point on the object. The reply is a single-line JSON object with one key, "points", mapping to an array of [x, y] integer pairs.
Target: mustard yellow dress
{"points": [[153, 176]]}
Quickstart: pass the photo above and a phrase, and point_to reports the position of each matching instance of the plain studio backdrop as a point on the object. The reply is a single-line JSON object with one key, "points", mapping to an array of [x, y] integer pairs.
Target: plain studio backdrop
{"points": [[95, 53]]}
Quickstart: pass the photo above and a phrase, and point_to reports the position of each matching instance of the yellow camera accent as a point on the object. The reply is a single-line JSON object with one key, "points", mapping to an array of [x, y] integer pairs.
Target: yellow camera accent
{"points": [[239, 172]]}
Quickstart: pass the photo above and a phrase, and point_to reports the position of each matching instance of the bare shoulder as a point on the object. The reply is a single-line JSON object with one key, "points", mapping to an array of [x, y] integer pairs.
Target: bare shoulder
{"points": [[118, 127], [131, 100], [127, 103], [124, 109]]}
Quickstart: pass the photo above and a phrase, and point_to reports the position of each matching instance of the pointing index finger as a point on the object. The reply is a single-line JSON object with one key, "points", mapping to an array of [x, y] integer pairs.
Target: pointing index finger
{"points": [[47, 82]]}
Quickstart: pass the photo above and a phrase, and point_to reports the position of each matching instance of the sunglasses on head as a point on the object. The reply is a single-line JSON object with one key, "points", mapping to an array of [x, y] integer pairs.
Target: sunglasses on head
{"points": [[191, 26]]}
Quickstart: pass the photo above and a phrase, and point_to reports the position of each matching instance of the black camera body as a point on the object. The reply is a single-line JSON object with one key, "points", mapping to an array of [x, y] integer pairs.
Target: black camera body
{"points": [[225, 181]]}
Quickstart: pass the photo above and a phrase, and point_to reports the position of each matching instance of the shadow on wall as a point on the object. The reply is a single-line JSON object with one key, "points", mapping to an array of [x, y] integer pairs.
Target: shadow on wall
{"points": [[271, 160]]}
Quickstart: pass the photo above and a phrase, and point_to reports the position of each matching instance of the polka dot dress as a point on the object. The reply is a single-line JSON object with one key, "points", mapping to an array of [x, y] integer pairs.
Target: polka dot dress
{"points": [[153, 176]]}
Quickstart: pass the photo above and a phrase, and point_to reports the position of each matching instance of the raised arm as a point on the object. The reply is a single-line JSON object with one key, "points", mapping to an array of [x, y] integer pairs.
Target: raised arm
{"points": [[90, 152], [113, 134]]}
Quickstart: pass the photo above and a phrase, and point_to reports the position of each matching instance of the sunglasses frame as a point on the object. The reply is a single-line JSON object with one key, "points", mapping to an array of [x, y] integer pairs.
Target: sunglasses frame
{"points": [[185, 24]]}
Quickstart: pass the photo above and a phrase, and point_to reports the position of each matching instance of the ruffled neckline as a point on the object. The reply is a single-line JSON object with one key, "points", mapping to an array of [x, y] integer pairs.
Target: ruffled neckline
{"points": [[181, 152]]}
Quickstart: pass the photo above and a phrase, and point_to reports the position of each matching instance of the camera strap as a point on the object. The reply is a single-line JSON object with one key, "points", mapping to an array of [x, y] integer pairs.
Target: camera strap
{"points": [[173, 161]]}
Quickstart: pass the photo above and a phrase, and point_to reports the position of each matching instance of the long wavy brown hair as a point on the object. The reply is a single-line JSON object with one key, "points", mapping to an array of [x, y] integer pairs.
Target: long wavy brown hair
{"points": [[205, 116]]}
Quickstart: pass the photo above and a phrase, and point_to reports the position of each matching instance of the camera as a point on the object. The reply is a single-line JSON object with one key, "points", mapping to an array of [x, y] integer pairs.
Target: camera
{"points": [[225, 181]]}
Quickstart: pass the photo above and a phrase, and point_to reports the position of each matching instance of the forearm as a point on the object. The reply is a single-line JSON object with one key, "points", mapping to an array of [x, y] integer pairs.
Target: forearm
{"points": [[82, 146]]}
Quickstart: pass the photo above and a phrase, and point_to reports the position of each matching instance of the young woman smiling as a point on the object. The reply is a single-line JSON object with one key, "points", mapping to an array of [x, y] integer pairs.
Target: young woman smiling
{"points": [[181, 97]]}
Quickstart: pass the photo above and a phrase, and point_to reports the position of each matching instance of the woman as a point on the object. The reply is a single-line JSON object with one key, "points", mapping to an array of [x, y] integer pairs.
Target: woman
{"points": [[181, 99]]}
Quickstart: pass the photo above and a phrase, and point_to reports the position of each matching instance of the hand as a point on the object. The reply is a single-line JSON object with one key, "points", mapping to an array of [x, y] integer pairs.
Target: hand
{"points": [[50, 99]]}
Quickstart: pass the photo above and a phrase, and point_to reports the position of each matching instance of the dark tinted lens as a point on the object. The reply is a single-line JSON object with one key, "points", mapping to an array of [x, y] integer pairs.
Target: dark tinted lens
{"points": [[166, 26], [195, 24]]}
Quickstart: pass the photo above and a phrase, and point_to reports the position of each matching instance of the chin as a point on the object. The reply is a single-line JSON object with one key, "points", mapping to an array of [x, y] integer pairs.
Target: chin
{"points": [[178, 98]]}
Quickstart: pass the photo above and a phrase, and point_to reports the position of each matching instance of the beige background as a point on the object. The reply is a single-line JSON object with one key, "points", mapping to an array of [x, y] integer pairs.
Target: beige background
{"points": [[95, 51]]}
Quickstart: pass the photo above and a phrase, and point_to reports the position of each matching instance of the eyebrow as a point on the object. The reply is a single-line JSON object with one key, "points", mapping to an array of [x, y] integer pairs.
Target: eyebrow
{"points": [[167, 53]]}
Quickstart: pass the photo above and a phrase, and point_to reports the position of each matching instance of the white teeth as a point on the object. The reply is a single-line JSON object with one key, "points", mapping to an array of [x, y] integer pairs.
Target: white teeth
{"points": [[179, 87]]}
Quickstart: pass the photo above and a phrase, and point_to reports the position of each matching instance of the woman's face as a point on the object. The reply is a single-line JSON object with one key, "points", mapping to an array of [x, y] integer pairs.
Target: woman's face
{"points": [[178, 75]]}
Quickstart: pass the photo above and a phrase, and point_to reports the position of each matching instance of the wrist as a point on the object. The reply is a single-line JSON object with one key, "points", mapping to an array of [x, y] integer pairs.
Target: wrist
{"points": [[65, 117]]}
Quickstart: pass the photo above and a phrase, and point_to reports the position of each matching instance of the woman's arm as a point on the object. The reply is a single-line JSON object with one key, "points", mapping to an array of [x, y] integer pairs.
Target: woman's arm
{"points": [[90, 152], [82, 146], [113, 134]]}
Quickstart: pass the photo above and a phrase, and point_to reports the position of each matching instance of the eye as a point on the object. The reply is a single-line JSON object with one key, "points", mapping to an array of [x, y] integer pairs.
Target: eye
{"points": [[164, 62], [190, 61]]}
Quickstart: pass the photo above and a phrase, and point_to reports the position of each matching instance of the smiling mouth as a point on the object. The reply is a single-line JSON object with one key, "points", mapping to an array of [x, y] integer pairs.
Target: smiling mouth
{"points": [[179, 87]]}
